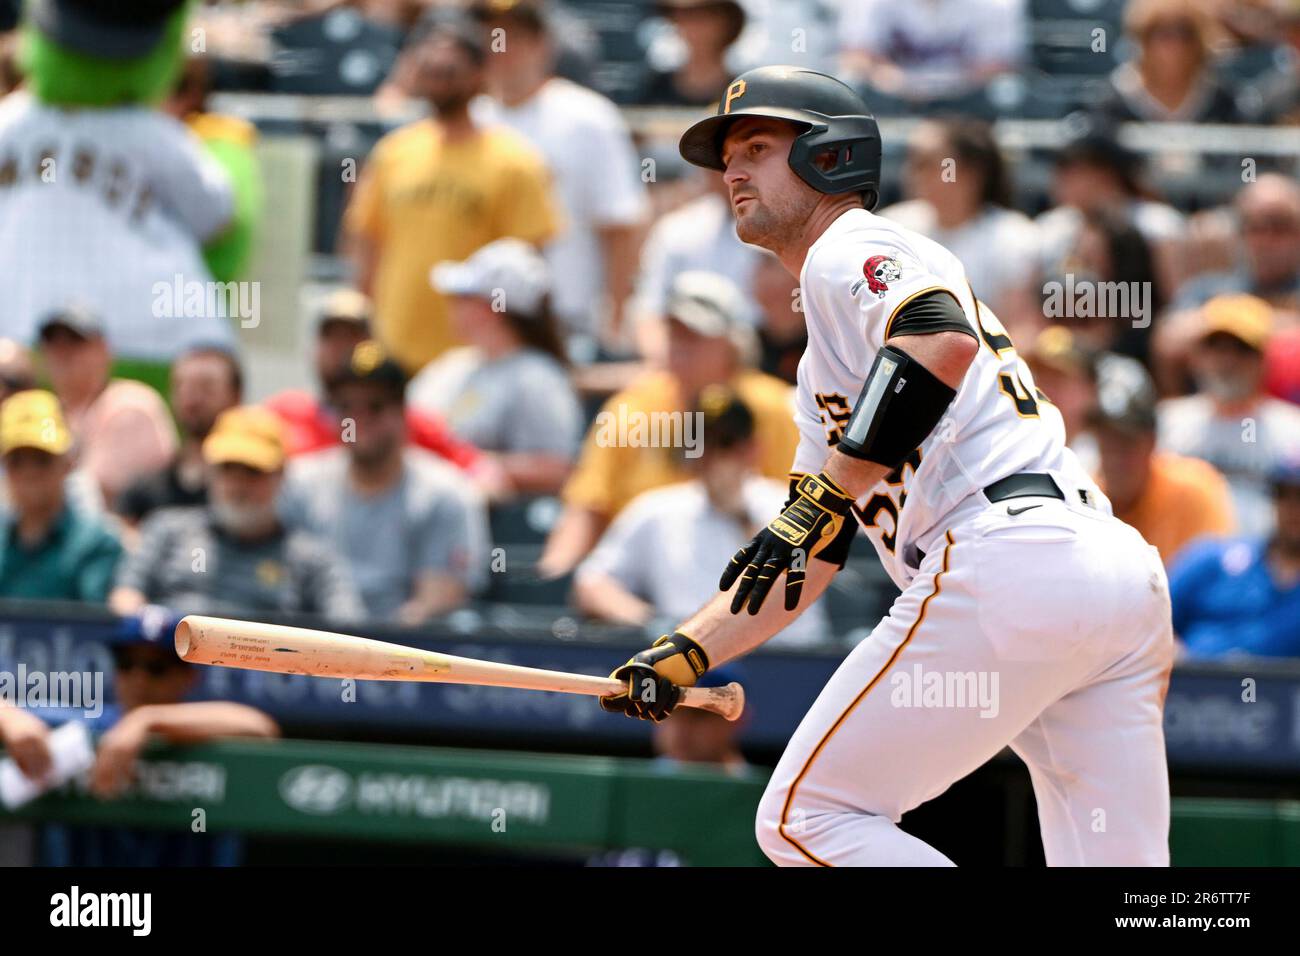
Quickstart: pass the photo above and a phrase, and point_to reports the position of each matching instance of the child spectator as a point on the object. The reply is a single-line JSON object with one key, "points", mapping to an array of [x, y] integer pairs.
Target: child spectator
{"points": [[48, 549]]}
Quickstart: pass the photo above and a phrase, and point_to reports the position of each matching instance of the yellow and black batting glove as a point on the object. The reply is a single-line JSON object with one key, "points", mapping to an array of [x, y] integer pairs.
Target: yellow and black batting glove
{"points": [[809, 522], [654, 676]]}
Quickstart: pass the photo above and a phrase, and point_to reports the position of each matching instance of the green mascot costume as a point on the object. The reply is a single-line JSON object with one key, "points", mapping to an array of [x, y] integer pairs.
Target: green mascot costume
{"points": [[107, 202]]}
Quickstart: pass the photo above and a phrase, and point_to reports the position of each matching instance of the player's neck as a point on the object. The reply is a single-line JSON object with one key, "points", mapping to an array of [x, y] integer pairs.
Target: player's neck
{"points": [[824, 213]]}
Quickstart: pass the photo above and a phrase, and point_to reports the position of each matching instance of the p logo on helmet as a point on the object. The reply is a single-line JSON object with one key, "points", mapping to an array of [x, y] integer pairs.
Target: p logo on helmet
{"points": [[734, 92]]}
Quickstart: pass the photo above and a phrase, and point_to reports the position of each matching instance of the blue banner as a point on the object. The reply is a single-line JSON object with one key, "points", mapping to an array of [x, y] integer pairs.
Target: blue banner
{"points": [[1240, 715]]}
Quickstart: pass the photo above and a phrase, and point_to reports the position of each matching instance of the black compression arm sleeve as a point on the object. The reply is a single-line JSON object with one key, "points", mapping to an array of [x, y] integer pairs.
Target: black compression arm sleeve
{"points": [[936, 311]]}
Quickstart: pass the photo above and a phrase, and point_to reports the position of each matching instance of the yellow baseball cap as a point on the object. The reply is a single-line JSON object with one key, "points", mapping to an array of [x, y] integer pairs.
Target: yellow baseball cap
{"points": [[248, 435], [1244, 317], [33, 419]]}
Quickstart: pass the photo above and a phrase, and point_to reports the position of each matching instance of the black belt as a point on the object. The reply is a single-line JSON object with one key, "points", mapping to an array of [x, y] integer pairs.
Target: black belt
{"points": [[1027, 484]]}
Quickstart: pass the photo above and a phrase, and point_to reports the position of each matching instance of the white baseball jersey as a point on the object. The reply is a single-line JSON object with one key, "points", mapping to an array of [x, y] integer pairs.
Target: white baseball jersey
{"points": [[108, 208], [1032, 622], [856, 278]]}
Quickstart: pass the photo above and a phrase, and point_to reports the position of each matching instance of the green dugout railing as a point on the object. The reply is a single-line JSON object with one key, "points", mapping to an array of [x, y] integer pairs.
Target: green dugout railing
{"points": [[379, 792], [503, 801]]}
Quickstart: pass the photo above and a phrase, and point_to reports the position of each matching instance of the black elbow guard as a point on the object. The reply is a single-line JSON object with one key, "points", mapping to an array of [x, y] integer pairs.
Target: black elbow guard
{"points": [[900, 404]]}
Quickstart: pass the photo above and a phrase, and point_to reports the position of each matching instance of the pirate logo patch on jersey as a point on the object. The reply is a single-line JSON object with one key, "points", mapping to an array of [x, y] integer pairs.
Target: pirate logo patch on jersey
{"points": [[877, 273]]}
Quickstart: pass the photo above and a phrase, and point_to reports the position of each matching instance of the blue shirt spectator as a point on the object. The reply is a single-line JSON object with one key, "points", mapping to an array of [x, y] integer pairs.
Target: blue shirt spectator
{"points": [[1242, 596]]}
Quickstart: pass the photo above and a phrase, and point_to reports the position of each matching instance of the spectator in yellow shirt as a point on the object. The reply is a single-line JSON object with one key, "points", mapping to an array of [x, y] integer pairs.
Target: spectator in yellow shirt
{"points": [[643, 435], [437, 190], [1170, 499]]}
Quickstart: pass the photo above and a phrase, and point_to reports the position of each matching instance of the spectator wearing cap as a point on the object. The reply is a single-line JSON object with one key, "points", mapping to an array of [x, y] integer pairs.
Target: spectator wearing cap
{"points": [[1170, 77], [412, 529], [706, 30], [1230, 421], [204, 382], [1094, 172], [151, 687], [311, 423], [1170, 499], [690, 528], [970, 214], [507, 392], [698, 236], [234, 555], [1241, 596], [588, 149], [709, 342], [50, 550], [438, 189], [121, 428], [934, 53], [1066, 369]]}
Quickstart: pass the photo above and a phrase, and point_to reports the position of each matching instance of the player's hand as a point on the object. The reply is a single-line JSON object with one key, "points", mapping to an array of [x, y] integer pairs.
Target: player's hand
{"points": [[654, 676], [27, 740], [809, 522], [116, 755]]}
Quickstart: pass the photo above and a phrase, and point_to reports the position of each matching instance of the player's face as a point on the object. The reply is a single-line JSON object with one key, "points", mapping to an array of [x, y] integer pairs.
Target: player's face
{"points": [[770, 203]]}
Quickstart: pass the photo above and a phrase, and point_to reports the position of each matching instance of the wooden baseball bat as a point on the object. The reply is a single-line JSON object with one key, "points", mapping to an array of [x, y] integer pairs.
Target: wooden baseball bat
{"points": [[299, 650]]}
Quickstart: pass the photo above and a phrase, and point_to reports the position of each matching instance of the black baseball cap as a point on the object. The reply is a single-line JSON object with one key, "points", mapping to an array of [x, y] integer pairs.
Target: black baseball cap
{"points": [[80, 320], [727, 420], [456, 25], [1126, 397], [111, 29], [371, 364]]}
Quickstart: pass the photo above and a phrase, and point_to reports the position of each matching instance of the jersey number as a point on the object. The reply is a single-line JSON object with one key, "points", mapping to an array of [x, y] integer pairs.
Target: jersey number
{"points": [[1011, 383]]}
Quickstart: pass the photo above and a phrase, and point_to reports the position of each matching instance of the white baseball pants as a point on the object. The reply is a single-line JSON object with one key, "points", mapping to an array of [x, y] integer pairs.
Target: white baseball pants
{"points": [[1046, 629]]}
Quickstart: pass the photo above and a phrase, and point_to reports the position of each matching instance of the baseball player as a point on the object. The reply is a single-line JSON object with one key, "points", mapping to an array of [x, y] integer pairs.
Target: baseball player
{"points": [[1029, 616]]}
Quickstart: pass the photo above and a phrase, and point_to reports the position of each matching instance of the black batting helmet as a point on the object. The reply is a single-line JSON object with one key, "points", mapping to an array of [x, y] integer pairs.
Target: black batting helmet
{"points": [[835, 121]]}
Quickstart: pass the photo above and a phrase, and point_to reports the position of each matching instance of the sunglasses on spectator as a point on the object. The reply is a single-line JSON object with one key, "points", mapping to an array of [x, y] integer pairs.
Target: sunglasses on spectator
{"points": [[154, 667]]}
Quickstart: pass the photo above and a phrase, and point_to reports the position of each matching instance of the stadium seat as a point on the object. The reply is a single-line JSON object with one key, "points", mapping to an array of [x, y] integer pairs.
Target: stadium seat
{"points": [[337, 53], [527, 521]]}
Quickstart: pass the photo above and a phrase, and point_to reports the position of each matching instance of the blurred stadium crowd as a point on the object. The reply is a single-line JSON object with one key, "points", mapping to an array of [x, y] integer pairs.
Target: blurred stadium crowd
{"points": [[546, 372], [521, 275]]}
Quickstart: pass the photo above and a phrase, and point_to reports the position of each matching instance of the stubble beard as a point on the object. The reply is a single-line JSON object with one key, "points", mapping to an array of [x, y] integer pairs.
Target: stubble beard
{"points": [[775, 226]]}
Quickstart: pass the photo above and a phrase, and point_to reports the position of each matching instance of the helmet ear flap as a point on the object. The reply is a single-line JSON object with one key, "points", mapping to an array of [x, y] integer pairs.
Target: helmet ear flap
{"points": [[854, 160]]}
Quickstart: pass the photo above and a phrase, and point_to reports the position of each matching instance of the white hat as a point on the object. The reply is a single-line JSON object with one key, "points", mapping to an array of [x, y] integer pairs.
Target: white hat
{"points": [[509, 272], [712, 305]]}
